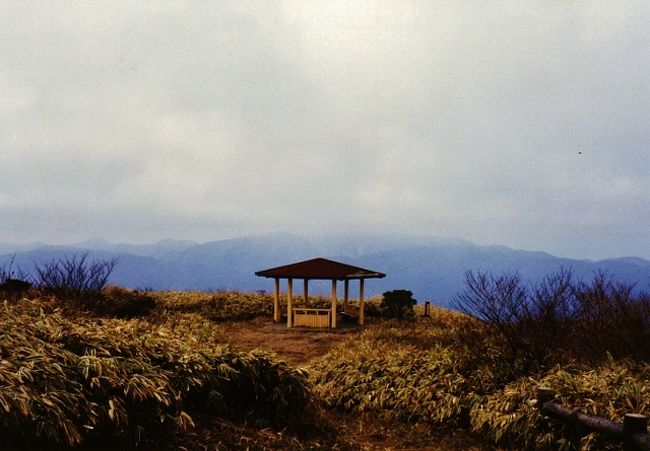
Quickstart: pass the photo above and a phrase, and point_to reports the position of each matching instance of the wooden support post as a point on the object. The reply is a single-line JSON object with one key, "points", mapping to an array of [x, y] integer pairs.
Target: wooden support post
{"points": [[544, 395], [289, 302], [427, 309], [333, 304], [276, 302], [305, 283], [346, 294], [579, 430], [633, 424], [361, 303]]}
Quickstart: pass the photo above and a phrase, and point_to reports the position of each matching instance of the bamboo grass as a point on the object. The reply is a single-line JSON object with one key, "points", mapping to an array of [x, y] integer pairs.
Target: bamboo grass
{"points": [[66, 382]]}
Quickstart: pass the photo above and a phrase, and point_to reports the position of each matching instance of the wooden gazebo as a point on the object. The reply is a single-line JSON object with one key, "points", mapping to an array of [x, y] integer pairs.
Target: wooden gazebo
{"points": [[317, 269]]}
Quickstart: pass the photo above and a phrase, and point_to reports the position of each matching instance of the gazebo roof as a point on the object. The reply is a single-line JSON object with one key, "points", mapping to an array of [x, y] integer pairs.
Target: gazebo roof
{"points": [[319, 268]]}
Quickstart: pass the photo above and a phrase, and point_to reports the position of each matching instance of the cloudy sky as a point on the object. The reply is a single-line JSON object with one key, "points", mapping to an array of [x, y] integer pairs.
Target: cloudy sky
{"points": [[519, 123]]}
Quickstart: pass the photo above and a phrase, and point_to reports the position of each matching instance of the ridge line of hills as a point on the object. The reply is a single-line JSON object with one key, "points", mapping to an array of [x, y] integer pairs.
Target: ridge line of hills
{"points": [[432, 267]]}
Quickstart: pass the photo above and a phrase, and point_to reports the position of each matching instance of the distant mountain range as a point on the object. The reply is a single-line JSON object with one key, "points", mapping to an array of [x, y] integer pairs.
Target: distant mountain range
{"points": [[432, 267]]}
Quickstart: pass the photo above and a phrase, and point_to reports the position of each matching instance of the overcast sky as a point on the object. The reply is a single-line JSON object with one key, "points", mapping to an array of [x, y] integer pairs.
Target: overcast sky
{"points": [[518, 123]]}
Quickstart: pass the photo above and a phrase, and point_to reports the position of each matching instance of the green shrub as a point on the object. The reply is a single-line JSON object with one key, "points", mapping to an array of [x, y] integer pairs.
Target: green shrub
{"points": [[397, 304], [371, 307]]}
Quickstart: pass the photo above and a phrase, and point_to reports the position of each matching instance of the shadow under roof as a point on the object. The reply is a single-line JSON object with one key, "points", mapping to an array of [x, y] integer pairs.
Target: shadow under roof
{"points": [[319, 268]]}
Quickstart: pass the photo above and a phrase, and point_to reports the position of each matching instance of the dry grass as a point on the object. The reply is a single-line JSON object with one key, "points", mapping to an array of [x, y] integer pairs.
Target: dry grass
{"points": [[75, 381], [367, 432], [300, 346], [186, 326]]}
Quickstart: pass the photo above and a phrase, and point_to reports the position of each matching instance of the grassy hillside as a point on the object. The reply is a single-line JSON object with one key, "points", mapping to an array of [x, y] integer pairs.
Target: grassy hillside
{"points": [[73, 380], [441, 371], [185, 372]]}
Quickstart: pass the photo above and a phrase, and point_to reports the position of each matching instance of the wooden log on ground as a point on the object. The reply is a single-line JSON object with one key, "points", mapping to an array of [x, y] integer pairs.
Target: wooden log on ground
{"points": [[633, 431]]}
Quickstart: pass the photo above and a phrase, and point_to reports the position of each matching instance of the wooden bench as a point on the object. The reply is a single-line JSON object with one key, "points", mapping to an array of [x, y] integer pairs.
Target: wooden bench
{"points": [[312, 317], [351, 312]]}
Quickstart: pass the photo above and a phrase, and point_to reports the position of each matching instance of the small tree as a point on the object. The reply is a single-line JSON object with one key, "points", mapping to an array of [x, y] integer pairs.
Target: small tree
{"points": [[531, 323], [74, 277], [613, 317], [397, 304]]}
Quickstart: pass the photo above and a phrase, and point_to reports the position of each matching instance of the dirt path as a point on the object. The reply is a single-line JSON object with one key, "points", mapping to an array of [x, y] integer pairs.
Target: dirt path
{"points": [[296, 346]]}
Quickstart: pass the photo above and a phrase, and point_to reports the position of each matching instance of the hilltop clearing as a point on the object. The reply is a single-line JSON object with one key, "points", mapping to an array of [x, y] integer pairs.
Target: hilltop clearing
{"points": [[210, 371]]}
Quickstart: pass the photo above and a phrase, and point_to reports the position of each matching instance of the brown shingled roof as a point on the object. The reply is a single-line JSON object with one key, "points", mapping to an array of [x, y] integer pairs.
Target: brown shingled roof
{"points": [[319, 268]]}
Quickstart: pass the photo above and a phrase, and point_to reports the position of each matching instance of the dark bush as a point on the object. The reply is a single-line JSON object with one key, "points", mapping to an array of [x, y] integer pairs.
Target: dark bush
{"points": [[614, 317], [14, 282], [397, 304], [122, 303], [558, 319], [371, 309], [14, 288]]}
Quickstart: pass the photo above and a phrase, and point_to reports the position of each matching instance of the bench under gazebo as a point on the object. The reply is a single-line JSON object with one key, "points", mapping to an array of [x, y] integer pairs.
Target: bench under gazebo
{"points": [[317, 269]]}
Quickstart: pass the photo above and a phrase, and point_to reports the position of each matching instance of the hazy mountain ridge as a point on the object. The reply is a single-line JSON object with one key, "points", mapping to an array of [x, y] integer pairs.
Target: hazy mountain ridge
{"points": [[431, 267], [159, 249]]}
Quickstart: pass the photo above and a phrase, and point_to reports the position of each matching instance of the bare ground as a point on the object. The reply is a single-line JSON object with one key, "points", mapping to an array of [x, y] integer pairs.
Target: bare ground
{"points": [[299, 345]]}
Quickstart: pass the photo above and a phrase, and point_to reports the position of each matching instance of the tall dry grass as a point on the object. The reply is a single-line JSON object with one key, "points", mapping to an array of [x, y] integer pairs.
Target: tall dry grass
{"points": [[71, 381], [445, 371]]}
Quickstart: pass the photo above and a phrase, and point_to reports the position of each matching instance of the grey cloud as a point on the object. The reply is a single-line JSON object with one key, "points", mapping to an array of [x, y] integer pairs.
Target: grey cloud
{"points": [[214, 118]]}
